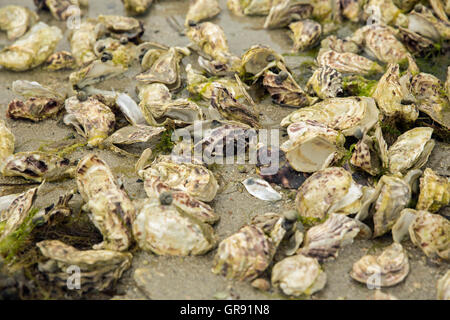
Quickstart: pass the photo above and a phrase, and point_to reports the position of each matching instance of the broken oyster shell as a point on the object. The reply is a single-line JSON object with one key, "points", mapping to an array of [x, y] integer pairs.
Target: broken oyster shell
{"points": [[99, 269], [91, 119], [200, 10], [325, 83], [434, 191], [330, 190], [7, 141], [443, 287], [16, 20], [386, 270], [347, 62], [411, 150], [393, 95], [305, 34], [261, 189], [349, 115], [109, 207], [324, 240], [166, 229], [298, 275], [312, 146], [36, 166], [32, 49]]}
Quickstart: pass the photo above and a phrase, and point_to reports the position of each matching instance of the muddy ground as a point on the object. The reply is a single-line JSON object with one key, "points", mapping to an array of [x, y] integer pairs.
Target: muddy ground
{"points": [[153, 277]]}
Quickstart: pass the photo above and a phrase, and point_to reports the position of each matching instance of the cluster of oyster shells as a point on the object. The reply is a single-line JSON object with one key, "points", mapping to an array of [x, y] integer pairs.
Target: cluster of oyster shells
{"points": [[177, 216]]}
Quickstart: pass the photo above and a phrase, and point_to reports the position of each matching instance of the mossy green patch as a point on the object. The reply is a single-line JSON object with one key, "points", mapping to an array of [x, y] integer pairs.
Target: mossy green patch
{"points": [[359, 86]]}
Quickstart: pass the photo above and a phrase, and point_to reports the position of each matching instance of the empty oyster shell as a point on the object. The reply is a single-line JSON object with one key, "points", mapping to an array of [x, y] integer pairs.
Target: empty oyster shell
{"points": [[443, 287], [36, 166], [422, 21], [434, 191], [16, 20], [137, 7], [196, 180], [258, 59], [261, 189], [130, 109], [393, 95], [323, 241], [331, 190], [325, 83], [411, 150], [347, 62], [312, 146], [32, 49], [349, 115], [305, 34], [97, 71], [415, 43], [283, 12], [247, 253], [99, 269], [385, 270], [91, 118], [42, 102], [17, 213], [82, 42], [109, 207], [167, 230], [7, 141], [120, 26], [298, 275], [384, 11], [200, 10], [431, 233]]}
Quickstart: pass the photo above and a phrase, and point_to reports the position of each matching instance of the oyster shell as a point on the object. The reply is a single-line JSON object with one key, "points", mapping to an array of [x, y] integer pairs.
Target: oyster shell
{"points": [[137, 7], [91, 118], [443, 287], [97, 71], [32, 49], [330, 190], [116, 51], [349, 115], [15, 216], [166, 229], [428, 91], [298, 275], [227, 105], [120, 26], [386, 270], [324, 241], [196, 180], [16, 20], [434, 191], [250, 7], [305, 34], [415, 43], [411, 150], [325, 83], [42, 102], [283, 12], [99, 269], [351, 9], [385, 11], [312, 146], [7, 141], [261, 189], [109, 207], [37, 166], [258, 59], [431, 233], [284, 90], [381, 43], [391, 195], [163, 66], [248, 253], [60, 9], [393, 95], [82, 42], [200, 10], [347, 62], [339, 45], [130, 109], [422, 21], [61, 60]]}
